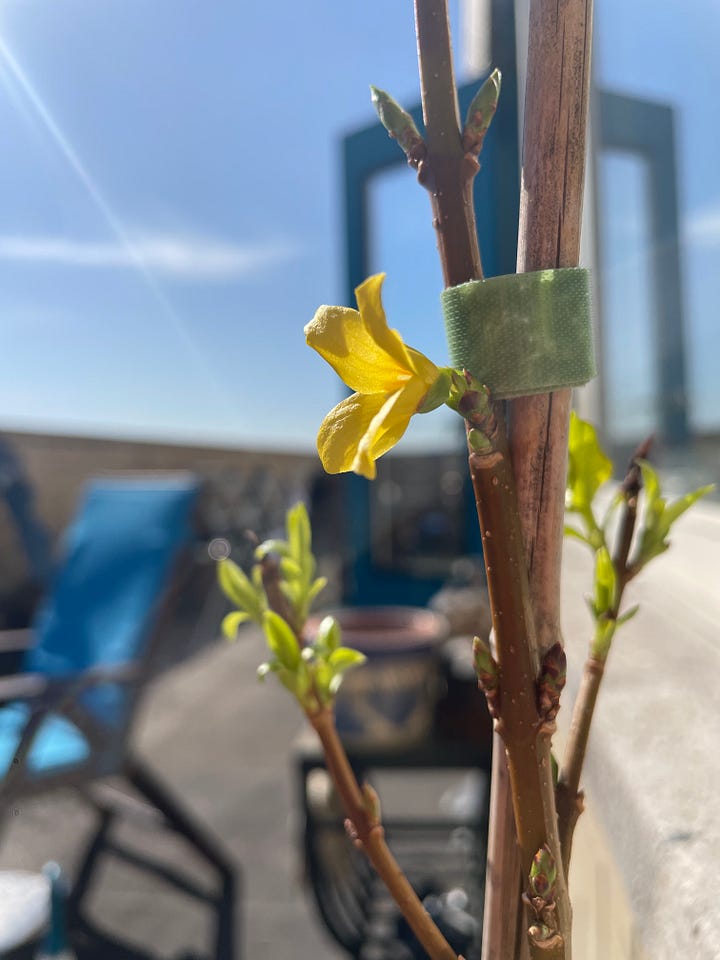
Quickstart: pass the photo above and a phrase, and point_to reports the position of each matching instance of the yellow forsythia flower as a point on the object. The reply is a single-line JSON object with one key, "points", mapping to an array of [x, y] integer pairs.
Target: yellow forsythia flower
{"points": [[391, 380]]}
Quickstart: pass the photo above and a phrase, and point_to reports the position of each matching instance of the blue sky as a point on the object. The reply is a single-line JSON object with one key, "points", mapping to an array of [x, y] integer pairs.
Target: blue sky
{"points": [[170, 218]]}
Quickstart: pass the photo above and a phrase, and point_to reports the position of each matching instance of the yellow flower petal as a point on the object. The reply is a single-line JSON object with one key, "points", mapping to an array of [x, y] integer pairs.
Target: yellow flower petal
{"points": [[387, 427], [341, 337], [343, 429], [389, 378], [369, 301], [424, 367]]}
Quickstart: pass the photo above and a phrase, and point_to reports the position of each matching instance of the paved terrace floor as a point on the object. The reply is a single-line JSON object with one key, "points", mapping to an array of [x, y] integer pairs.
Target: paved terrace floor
{"points": [[224, 743]]}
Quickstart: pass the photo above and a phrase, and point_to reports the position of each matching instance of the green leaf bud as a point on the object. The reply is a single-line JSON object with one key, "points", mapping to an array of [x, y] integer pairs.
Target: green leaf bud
{"points": [[371, 804], [344, 658], [264, 669], [299, 535], [628, 615], [551, 682], [488, 674], [543, 875], [485, 665], [399, 124], [323, 675], [290, 568], [239, 590], [478, 441], [317, 585], [281, 639], [605, 583], [231, 622], [480, 113], [329, 634]]}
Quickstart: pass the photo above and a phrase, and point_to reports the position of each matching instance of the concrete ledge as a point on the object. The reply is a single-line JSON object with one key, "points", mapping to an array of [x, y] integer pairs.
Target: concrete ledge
{"points": [[653, 770]]}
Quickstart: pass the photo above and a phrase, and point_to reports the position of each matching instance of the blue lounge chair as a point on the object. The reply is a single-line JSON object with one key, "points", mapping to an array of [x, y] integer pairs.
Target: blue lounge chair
{"points": [[65, 719]]}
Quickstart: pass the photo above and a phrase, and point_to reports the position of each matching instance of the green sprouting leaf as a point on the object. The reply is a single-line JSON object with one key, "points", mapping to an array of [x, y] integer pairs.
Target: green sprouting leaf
{"points": [[677, 508], [654, 502], [231, 622], [319, 584], [288, 679], [577, 535], [628, 615], [281, 639], [303, 680], [329, 635], [588, 467], [290, 568], [292, 591], [344, 658], [299, 534], [605, 583], [323, 676], [239, 590], [659, 515]]}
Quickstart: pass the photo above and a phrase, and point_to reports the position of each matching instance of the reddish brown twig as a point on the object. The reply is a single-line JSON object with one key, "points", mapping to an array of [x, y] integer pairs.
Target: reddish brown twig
{"points": [[569, 796], [447, 172], [365, 827]]}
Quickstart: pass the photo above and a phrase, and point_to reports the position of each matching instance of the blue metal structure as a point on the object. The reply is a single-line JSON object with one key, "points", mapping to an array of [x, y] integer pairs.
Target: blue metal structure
{"points": [[647, 130], [366, 154]]}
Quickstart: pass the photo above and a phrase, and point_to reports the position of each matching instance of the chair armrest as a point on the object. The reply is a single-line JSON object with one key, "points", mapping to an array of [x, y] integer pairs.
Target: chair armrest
{"points": [[23, 686], [102, 673], [16, 640], [53, 693]]}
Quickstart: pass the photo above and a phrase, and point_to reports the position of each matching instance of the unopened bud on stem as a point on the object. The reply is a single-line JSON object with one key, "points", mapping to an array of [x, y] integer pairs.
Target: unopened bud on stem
{"points": [[488, 674], [480, 113], [551, 681], [400, 125], [543, 874]]}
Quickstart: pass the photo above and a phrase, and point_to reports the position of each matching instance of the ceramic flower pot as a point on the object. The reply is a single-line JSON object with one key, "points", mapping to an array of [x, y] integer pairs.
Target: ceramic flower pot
{"points": [[389, 701]]}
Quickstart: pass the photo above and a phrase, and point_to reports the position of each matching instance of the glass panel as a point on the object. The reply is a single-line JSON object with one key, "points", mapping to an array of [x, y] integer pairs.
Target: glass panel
{"points": [[629, 340]]}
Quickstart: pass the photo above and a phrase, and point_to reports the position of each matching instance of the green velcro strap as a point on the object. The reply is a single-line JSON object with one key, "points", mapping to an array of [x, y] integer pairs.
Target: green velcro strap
{"points": [[522, 333]]}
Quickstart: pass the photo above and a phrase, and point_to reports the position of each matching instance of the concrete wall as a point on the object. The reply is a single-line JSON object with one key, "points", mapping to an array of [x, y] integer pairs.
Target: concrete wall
{"points": [[247, 489]]}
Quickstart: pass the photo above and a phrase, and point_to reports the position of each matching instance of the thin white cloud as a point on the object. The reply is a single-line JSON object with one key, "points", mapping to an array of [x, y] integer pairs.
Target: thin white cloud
{"points": [[703, 227], [174, 256]]}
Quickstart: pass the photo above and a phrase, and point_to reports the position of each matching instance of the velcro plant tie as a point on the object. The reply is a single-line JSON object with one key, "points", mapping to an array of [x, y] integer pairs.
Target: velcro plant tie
{"points": [[522, 333]]}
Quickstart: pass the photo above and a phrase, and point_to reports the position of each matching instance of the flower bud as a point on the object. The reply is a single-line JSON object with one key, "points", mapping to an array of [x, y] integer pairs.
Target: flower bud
{"points": [[543, 874]]}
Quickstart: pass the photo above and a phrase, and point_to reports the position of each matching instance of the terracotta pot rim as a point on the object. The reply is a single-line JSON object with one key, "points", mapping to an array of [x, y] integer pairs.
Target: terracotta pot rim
{"points": [[388, 630]]}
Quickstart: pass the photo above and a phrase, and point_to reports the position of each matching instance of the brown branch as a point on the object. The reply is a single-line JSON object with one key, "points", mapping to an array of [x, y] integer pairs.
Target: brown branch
{"points": [[277, 601], [368, 835], [558, 77], [569, 796], [447, 173]]}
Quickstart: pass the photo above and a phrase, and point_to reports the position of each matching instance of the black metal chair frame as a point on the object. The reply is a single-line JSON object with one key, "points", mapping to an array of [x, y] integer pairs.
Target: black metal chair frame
{"points": [[92, 781], [345, 893]]}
